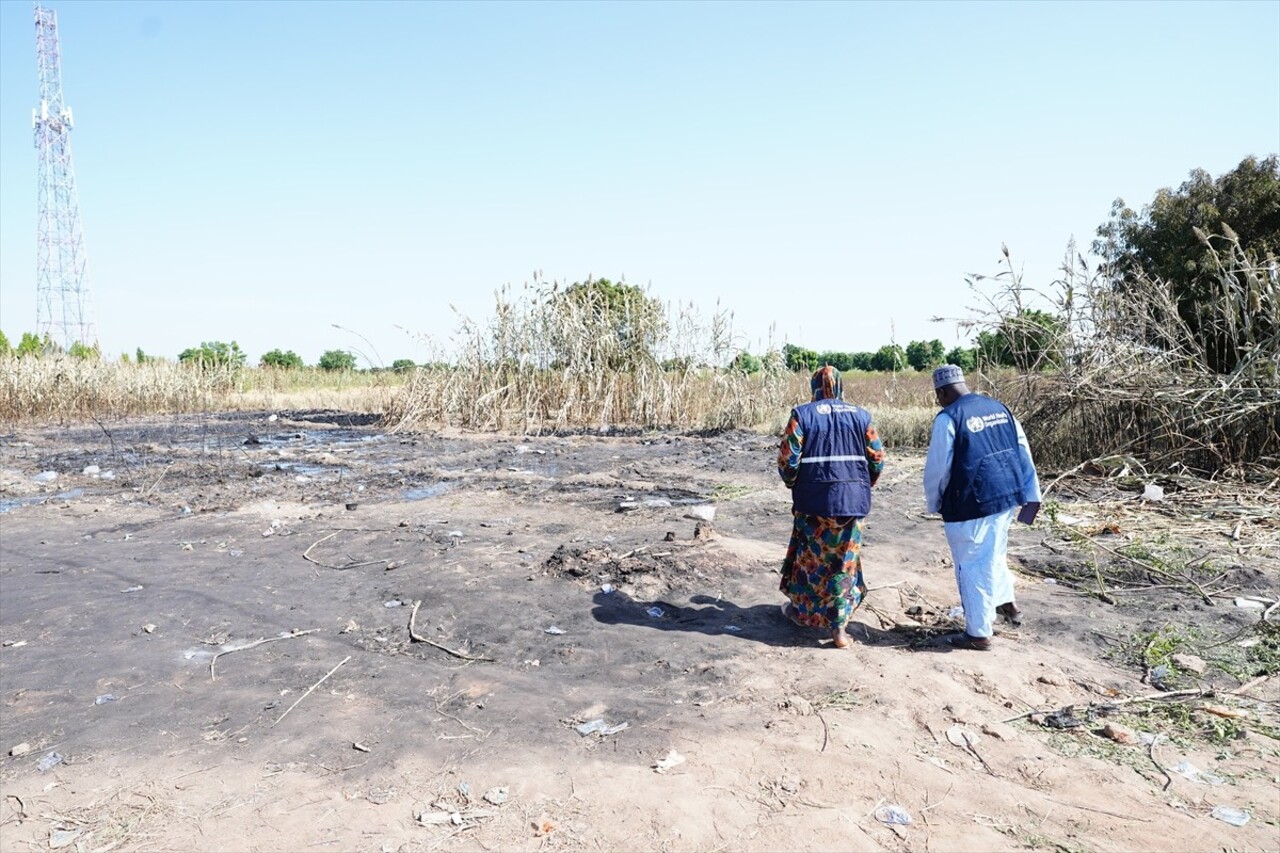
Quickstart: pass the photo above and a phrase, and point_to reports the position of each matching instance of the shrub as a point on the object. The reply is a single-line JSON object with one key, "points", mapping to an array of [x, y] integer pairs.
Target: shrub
{"points": [[214, 354], [337, 359], [289, 360]]}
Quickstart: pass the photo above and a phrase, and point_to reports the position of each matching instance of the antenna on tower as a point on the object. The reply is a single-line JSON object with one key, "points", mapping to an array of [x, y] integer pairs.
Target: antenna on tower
{"points": [[63, 310]]}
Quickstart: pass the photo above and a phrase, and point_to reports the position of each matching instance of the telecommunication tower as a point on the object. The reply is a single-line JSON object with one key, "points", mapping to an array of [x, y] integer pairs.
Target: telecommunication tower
{"points": [[63, 309]]}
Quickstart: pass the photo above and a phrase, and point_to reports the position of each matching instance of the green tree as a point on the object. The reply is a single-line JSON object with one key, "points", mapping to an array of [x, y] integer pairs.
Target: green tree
{"points": [[745, 362], [799, 359], [337, 359], [600, 324], [141, 357], [965, 358], [5, 348], [841, 361], [287, 360], [925, 355], [29, 345], [214, 354], [889, 357], [1028, 341], [83, 351], [1174, 239], [862, 361], [403, 365]]}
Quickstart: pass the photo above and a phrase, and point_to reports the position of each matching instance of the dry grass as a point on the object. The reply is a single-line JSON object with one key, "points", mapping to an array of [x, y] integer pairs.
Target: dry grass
{"points": [[1126, 375], [64, 389]]}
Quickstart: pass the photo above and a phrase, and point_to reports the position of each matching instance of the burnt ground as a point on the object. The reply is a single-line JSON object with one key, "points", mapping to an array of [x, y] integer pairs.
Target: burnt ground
{"points": [[559, 580]]}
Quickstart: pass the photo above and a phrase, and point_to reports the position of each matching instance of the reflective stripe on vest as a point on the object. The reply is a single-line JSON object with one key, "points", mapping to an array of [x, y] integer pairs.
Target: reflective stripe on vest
{"points": [[810, 460]]}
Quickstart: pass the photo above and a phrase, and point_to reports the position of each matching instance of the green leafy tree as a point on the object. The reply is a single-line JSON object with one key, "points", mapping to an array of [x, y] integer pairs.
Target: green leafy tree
{"points": [[286, 360], [745, 362], [1175, 237], [141, 357], [337, 359], [965, 358], [29, 346], [841, 361], [925, 355], [83, 351], [862, 361], [1028, 341], [214, 354], [889, 357], [402, 365], [799, 359], [600, 324], [5, 348]]}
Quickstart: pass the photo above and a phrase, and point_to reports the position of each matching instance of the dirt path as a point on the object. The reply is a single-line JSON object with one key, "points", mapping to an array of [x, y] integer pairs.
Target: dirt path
{"points": [[577, 567]]}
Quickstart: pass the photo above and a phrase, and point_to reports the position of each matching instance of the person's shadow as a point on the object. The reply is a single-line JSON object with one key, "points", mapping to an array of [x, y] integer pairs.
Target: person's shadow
{"points": [[758, 623]]}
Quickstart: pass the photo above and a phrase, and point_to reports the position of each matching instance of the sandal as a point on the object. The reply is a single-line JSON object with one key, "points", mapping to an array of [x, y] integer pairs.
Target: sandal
{"points": [[973, 644], [1011, 613]]}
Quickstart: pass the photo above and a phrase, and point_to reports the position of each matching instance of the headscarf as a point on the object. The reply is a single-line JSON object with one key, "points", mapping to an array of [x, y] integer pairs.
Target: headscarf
{"points": [[825, 384]]}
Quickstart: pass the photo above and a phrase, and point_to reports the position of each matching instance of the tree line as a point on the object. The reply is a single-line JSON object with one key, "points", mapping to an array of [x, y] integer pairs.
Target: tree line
{"points": [[1177, 239]]}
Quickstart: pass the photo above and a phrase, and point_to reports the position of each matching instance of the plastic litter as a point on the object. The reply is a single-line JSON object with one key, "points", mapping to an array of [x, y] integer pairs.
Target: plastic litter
{"points": [[59, 837], [1250, 604], [137, 588], [734, 628], [1152, 492], [601, 727], [955, 613], [91, 471], [51, 760], [395, 602], [496, 796], [606, 588], [1227, 814], [45, 477], [553, 630], [656, 503], [671, 759], [655, 612], [705, 512], [893, 815], [105, 698]]}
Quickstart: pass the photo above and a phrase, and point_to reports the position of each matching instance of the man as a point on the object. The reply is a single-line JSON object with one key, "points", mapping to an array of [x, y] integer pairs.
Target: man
{"points": [[830, 457], [978, 472]]}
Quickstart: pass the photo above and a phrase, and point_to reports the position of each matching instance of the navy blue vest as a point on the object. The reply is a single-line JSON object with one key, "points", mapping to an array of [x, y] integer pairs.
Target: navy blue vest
{"points": [[987, 470], [834, 479]]}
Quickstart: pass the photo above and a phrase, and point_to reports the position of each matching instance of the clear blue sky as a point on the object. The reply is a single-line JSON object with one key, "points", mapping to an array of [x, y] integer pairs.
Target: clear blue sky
{"points": [[830, 171]]}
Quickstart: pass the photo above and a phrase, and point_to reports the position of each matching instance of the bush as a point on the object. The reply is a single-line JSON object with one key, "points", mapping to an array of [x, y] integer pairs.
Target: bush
{"points": [[745, 362], [288, 360], [214, 354], [5, 348], [400, 365], [83, 351], [337, 359]]}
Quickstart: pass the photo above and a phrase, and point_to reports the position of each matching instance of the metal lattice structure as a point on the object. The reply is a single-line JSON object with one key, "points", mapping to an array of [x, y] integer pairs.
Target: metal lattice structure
{"points": [[63, 309]]}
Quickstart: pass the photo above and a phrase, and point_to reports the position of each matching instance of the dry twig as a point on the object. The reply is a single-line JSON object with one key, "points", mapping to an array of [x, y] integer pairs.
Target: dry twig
{"points": [[306, 555], [309, 689], [289, 636], [417, 638]]}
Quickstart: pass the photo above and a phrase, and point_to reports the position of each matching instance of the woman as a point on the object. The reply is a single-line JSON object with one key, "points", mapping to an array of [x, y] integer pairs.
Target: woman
{"points": [[830, 457]]}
